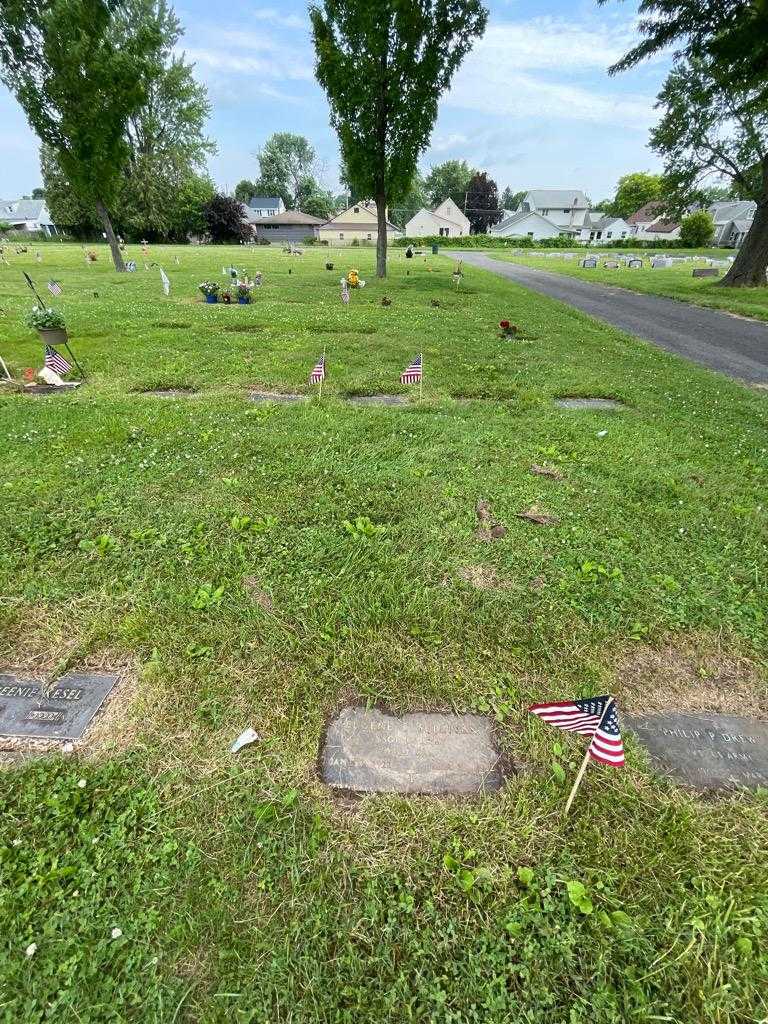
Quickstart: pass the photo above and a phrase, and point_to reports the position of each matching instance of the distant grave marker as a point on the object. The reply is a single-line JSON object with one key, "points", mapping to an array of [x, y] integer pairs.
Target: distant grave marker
{"points": [[61, 712], [277, 396], [590, 263], [611, 265], [706, 751], [169, 392], [635, 264], [706, 272], [588, 403], [369, 751]]}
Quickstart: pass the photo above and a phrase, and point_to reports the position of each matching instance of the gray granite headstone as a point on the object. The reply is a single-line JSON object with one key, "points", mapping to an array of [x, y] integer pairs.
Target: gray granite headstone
{"points": [[588, 403], [369, 751], [706, 751], [706, 272], [378, 399], [61, 712]]}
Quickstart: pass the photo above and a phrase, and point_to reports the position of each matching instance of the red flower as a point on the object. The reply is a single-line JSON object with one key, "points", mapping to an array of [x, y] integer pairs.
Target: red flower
{"points": [[504, 324]]}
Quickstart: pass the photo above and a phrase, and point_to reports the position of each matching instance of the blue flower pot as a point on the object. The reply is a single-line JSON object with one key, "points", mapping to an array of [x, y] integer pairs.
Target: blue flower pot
{"points": [[243, 302], [211, 298]]}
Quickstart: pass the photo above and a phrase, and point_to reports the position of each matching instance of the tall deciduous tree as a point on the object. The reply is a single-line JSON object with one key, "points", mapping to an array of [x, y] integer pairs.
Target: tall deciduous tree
{"points": [[482, 203], [449, 180], [285, 162], [633, 191], [224, 222], [511, 200], [709, 129], [383, 66], [722, 55], [78, 88]]}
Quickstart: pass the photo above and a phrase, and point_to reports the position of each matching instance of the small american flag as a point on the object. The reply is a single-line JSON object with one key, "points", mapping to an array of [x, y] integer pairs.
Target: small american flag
{"points": [[56, 362], [54, 288], [344, 293], [318, 373], [596, 717], [412, 373]]}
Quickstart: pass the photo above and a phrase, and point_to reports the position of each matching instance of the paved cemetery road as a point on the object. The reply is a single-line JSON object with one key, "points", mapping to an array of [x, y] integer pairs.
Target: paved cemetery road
{"points": [[718, 340]]}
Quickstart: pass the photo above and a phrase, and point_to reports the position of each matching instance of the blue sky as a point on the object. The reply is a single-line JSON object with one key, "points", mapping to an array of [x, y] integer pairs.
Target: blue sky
{"points": [[532, 104]]}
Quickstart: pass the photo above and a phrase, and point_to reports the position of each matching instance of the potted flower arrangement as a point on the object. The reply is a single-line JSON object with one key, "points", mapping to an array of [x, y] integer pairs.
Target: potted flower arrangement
{"points": [[210, 290], [226, 297], [508, 330], [49, 324], [244, 292]]}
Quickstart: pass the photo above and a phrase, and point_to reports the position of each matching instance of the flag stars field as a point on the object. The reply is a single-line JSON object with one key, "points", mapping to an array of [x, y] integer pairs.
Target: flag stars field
{"points": [[134, 529]]}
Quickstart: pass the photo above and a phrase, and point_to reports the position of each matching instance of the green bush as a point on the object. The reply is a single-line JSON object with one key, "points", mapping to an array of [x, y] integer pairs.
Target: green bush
{"points": [[697, 229]]}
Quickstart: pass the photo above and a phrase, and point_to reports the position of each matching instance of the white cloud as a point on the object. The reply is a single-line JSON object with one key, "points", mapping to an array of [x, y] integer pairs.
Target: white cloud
{"points": [[272, 66]]}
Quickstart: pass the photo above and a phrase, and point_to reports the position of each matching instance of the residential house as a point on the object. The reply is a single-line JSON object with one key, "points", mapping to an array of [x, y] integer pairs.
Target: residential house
{"points": [[446, 220], [732, 221], [291, 226], [358, 223], [265, 206], [525, 224], [565, 207], [649, 224], [28, 215], [600, 227]]}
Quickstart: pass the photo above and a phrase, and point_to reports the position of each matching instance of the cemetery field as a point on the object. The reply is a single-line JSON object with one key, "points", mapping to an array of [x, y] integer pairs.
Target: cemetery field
{"points": [[254, 563], [674, 282]]}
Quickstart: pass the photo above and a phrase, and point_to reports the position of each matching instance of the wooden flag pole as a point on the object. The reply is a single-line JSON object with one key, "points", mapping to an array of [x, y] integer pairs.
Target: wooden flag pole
{"points": [[585, 762], [421, 377]]}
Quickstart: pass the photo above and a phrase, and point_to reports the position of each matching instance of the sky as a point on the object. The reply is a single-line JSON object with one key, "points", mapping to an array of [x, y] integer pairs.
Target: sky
{"points": [[532, 103]]}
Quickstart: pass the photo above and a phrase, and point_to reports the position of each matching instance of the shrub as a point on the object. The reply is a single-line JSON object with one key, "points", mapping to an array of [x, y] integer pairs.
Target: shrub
{"points": [[697, 229], [45, 319]]}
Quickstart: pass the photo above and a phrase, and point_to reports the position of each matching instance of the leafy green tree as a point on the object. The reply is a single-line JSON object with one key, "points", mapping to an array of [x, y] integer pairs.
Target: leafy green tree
{"points": [[414, 199], [697, 229], [314, 200], [707, 129], [187, 212], [384, 66], [722, 56], [449, 180], [245, 190], [482, 203], [38, 193], [78, 87], [633, 191], [511, 200], [285, 162]]}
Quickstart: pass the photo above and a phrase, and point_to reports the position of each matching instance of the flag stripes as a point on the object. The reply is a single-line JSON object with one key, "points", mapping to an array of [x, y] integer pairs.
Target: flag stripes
{"points": [[56, 362], [412, 373]]}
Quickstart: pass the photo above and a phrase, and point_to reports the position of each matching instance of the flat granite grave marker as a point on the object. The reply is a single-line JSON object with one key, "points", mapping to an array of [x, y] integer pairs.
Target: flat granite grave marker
{"points": [[588, 403], [706, 272], [63, 712], [378, 399], [706, 751], [276, 396], [369, 751]]}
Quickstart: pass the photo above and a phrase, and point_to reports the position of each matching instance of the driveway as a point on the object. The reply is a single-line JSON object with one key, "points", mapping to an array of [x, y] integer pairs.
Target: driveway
{"points": [[728, 344]]}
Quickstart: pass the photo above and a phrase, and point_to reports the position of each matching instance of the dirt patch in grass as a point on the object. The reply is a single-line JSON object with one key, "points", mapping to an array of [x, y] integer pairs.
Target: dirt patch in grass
{"points": [[172, 325], [378, 399], [689, 678], [276, 396], [241, 328], [483, 577], [260, 597], [169, 392]]}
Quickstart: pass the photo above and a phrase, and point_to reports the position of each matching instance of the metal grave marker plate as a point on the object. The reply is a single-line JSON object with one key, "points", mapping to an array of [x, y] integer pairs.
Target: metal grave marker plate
{"points": [[63, 712], [369, 751], [706, 751]]}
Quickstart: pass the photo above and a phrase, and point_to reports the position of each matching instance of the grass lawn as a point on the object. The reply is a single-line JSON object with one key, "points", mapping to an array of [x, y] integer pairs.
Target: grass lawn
{"points": [[675, 282], [263, 564]]}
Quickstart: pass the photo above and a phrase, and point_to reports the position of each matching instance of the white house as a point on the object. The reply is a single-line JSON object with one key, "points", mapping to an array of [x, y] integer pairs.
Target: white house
{"points": [[599, 227], [28, 215], [524, 224], [732, 221], [357, 223], [565, 207], [265, 206], [446, 219], [648, 223]]}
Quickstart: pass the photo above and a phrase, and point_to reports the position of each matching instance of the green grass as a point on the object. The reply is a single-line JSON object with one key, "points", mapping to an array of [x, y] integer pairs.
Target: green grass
{"points": [[675, 282], [244, 893]]}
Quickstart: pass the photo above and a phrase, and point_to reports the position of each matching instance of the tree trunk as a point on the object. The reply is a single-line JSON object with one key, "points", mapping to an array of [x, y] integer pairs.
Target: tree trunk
{"points": [[106, 223], [381, 237], [748, 270]]}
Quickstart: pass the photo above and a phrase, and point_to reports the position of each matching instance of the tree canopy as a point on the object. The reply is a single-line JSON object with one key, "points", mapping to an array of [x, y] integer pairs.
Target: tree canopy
{"points": [[79, 84], [633, 191], [383, 67], [449, 180], [482, 203]]}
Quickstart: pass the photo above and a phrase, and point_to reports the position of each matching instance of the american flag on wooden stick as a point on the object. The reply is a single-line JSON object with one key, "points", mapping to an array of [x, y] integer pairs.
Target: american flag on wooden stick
{"points": [[318, 373], [412, 373], [56, 362], [596, 717], [54, 288]]}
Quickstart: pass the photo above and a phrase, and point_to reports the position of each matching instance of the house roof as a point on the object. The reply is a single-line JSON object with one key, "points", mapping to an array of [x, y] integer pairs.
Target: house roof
{"points": [[663, 226], [566, 198], [367, 225], [437, 216], [740, 210], [289, 217], [22, 209], [522, 215], [265, 202], [646, 213]]}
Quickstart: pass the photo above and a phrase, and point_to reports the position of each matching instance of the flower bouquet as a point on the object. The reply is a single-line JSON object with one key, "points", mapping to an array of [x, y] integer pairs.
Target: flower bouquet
{"points": [[49, 324], [226, 297], [244, 289], [210, 290], [507, 329]]}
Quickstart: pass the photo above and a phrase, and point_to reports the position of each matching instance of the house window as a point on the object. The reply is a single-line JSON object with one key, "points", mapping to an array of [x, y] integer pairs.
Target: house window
{"points": [[369, 236], [357, 209], [530, 234], [609, 234], [341, 234]]}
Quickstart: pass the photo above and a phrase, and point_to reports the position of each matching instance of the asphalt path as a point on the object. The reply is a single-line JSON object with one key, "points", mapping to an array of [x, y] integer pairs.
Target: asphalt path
{"points": [[729, 344]]}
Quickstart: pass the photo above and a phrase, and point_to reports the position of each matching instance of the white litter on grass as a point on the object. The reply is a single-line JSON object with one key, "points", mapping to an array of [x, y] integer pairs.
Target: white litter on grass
{"points": [[116, 933], [602, 433], [244, 740], [68, 748], [31, 949]]}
